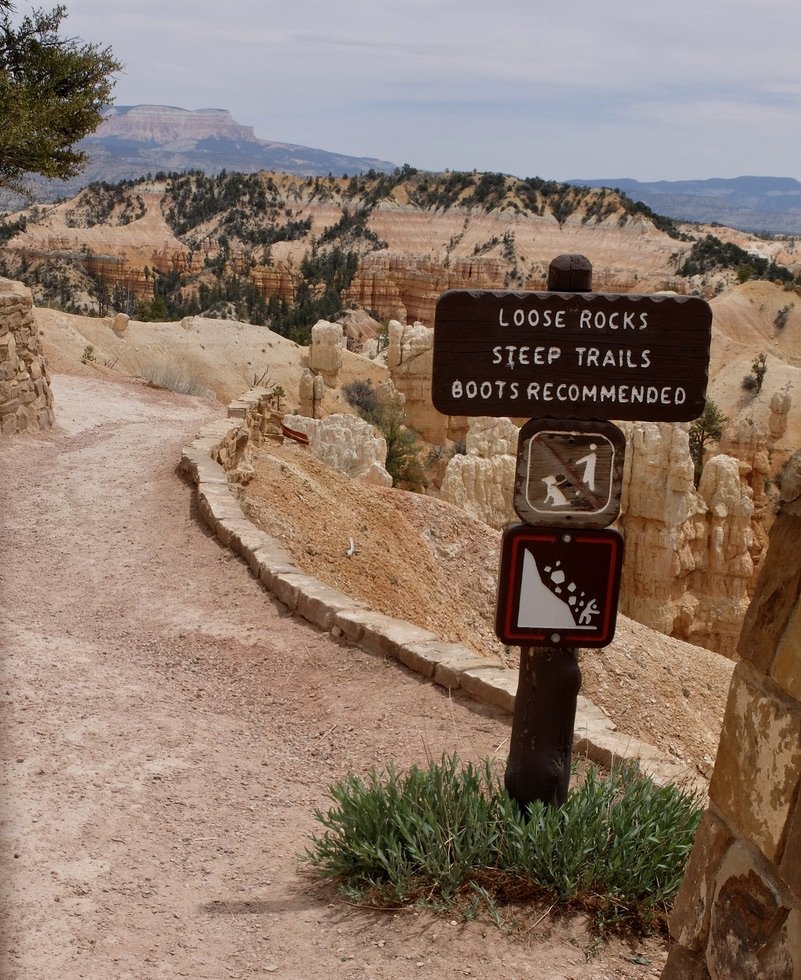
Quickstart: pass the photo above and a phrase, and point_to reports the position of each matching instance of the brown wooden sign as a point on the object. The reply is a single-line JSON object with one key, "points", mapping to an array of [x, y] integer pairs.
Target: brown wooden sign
{"points": [[558, 588], [569, 473], [571, 355]]}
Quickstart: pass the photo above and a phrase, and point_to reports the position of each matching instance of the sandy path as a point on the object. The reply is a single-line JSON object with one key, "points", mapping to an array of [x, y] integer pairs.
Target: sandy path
{"points": [[167, 732]]}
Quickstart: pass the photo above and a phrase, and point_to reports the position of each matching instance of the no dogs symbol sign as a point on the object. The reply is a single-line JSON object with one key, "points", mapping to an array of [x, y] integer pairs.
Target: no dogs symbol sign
{"points": [[558, 588], [569, 473]]}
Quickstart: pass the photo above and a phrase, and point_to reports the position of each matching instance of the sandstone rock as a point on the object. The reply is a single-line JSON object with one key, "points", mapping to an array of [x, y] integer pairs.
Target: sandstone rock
{"points": [[690, 555], [723, 579], [325, 352], [663, 523], [347, 444], [750, 444], [482, 480], [749, 934], [779, 410], [758, 769], [738, 911], [310, 394], [689, 921], [410, 362], [404, 286], [791, 479], [410, 359]]}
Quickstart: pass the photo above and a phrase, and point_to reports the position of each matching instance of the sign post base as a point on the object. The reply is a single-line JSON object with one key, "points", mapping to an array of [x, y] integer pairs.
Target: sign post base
{"points": [[541, 744]]}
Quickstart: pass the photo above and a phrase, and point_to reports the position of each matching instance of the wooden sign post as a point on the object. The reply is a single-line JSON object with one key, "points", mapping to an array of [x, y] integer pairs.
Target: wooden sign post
{"points": [[549, 680], [571, 360]]}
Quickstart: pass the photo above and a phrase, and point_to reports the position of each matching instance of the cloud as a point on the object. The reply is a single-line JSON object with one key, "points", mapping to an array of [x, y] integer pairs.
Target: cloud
{"points": [[468, 86]]}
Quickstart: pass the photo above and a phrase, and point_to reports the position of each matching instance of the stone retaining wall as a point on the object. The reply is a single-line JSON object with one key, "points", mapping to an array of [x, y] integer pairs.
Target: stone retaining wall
{"points": [[26, 402], [738, 913], [215, 461]]}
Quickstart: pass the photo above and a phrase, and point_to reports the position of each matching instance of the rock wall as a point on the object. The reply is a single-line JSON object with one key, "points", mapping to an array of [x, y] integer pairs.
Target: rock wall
{"points": [[26, 402], [738, 912]]}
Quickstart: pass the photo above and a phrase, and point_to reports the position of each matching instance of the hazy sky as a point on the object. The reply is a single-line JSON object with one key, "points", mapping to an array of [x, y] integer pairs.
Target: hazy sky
{"points": [[591, 88]]}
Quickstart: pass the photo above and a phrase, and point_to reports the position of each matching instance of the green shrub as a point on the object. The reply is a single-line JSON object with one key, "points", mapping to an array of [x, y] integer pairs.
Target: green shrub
{"points": [[753, 382], [618, 847], [362, 396], [403, 463], [708, 427]]}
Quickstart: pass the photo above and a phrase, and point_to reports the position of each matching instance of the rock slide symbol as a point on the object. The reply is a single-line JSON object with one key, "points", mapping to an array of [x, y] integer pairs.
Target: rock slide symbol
{"points": [[541, 605]]}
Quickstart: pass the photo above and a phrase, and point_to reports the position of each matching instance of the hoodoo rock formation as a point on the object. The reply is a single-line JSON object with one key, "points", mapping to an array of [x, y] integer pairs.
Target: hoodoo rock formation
{"points": [[662, 520], [481, 480], [310, 395], [689, 553], [347, 444], [325, 351], [410, 359]]}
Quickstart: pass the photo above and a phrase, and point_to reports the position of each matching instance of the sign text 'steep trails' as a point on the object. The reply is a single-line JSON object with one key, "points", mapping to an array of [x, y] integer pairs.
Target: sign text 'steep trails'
{"points": [[571, 355]]}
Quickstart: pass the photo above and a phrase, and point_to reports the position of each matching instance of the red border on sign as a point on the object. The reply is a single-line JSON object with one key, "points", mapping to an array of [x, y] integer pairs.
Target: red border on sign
{"points": [[515, 538]]}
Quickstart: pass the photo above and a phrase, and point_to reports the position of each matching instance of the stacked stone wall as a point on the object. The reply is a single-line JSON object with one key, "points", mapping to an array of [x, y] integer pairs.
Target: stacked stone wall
{"points": [[26, 402], [738, 912]]}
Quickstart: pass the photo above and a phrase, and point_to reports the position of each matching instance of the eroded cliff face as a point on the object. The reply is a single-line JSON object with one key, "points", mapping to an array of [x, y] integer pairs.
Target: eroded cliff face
{"points": [[691, 555], [170, 125], [406, 287], [481, 480], [413, 243]]}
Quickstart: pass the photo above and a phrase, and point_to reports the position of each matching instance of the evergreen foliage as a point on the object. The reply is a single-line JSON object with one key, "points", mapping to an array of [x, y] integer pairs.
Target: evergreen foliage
{"points": [[708, 427], [710, 254], [403, 463], [759, 368], [8, 229], [52, 93]]}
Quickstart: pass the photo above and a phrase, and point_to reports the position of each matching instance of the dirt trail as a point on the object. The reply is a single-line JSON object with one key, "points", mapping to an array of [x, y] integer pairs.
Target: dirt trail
{"points": [[167, 733]]}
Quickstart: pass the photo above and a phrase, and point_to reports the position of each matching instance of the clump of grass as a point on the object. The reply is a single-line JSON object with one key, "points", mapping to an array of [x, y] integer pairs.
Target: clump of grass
{"points": [[173, 379], [617, 848]]}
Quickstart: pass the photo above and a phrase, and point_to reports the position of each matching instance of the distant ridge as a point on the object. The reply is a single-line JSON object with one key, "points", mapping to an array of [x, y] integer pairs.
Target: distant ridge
{"points": [[133, 141], [755, 204]]}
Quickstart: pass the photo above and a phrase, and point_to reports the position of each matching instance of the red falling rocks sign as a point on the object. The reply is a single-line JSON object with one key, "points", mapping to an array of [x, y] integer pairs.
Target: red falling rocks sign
{"points": [[558, 587]]}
